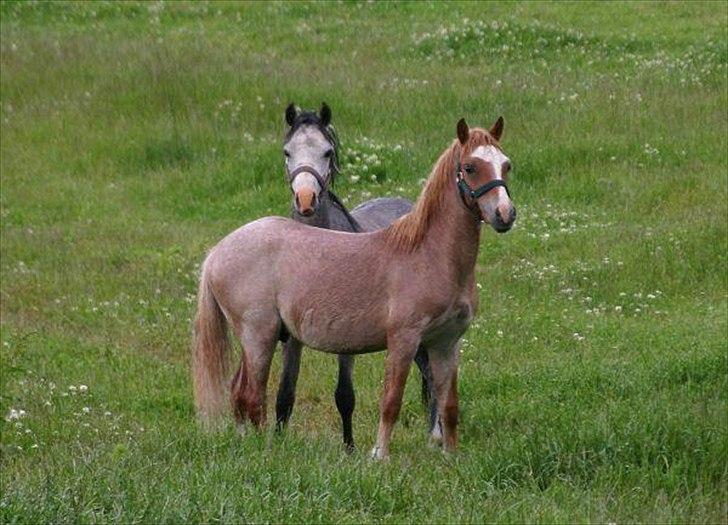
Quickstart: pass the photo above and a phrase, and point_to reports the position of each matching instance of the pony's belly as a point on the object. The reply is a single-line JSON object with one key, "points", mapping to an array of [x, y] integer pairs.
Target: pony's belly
{"points": [[337, 334]]}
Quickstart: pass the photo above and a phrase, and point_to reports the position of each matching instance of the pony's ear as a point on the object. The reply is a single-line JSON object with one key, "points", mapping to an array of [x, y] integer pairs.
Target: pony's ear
{"points": [[325, 114], [497, 130], [291, 114], [463, 131]]}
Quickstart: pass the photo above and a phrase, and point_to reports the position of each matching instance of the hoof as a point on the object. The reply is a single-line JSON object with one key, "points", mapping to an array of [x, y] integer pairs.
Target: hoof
{"points": [[378, 454], [436, 433]]}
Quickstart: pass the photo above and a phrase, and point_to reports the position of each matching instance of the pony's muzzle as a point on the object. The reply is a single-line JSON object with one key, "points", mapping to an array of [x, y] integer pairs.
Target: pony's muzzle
{"points": [[503, 221], [306, 201]]}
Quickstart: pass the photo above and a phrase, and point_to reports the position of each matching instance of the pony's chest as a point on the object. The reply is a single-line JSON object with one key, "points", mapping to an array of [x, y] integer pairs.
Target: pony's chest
{"points": [[452, 321]]}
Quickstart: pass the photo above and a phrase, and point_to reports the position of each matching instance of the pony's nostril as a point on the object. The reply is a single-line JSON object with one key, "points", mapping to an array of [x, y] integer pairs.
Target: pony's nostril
{"points": [[298, 202], [498, 214]]}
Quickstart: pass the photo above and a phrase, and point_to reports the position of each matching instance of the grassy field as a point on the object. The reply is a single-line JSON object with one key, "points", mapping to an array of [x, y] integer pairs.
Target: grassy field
{"points": [[594, 379]]}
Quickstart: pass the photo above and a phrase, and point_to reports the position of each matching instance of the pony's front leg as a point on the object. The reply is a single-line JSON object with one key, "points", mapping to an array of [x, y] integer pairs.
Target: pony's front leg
{"points": [[287, 386], [444, 365], [400, 352], [345, 399]]}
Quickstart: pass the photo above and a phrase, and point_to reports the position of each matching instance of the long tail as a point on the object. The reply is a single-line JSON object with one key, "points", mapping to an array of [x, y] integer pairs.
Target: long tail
{"points": [[210, 356]]}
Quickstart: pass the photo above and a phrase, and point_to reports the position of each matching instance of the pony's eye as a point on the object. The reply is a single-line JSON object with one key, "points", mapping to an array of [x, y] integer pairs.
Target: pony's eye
{"points": [[328, 153], [469, 169], [286, 153], [506, 167]]}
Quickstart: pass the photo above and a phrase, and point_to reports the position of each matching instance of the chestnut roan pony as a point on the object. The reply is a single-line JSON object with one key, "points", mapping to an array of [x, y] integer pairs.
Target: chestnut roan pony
{"points": [[409, 284], [310, 150]]}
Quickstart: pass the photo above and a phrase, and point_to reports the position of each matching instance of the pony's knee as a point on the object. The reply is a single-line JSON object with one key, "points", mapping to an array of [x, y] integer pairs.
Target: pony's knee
{"points": [[390, 410]]}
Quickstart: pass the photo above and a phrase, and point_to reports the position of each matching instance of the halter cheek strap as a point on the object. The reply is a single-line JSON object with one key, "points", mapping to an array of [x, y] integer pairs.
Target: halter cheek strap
{"points": [[307, 169]]}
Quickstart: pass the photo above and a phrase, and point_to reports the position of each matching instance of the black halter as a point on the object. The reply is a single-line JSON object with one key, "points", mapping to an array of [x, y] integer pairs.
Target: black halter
{"points": [[323, 184], [308, 169], [466, 190]]}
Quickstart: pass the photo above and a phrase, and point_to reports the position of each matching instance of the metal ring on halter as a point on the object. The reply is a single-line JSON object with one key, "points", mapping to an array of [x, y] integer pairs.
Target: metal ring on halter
{"points": [[307, 169]]}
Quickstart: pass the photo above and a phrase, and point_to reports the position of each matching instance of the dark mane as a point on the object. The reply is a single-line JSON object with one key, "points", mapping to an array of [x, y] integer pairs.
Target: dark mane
{"points": [[310, 118]]}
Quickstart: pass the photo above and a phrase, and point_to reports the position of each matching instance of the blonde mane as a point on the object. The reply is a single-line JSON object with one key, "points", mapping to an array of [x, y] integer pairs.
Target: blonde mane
{"points": [[407, 232]]}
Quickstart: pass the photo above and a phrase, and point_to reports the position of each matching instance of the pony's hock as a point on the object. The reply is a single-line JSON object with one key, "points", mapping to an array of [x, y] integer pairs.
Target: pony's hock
{"points": [[406, 286]]}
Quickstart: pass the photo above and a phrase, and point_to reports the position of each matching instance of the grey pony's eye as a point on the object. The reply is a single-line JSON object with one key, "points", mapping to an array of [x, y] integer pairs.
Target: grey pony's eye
{"points": [[286, 153], [328, 153]]}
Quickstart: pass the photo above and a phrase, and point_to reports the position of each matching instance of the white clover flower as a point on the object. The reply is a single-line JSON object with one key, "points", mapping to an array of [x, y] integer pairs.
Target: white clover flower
{"points": [[15, 414], [82, 388], [72, 388], [86, 410]]}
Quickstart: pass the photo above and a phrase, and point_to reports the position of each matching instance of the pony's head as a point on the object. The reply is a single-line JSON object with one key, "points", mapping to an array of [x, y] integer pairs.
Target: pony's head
{"points": [[310, 149], [482, 172]]}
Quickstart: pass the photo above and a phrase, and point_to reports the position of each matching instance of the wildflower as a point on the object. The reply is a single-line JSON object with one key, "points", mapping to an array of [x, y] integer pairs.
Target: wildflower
{"points": [[15, 414], [82, 388], [86, 410]]}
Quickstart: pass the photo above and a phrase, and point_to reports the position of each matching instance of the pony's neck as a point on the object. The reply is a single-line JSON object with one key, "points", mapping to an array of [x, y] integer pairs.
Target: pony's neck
{"points": [[440, 221], [321, 218], [454, 232]]}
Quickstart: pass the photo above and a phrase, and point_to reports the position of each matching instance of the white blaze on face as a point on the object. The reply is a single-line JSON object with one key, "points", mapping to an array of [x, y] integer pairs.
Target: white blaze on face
{"points": [[496, 159]]}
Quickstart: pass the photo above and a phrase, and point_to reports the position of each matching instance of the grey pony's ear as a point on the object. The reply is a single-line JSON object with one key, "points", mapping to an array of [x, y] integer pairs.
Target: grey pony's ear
{"points": [[497, 130], [325, 114], [291, 114], [463, 131]]}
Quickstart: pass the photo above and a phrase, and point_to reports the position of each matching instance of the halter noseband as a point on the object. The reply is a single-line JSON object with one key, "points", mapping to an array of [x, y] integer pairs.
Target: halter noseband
{"points": [[308, 169]]}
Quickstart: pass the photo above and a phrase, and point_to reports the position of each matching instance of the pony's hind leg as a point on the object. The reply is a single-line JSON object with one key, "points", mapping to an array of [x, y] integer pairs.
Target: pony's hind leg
{"points": [[248, 394], [237, 392], [428, 399], [444, 364], [345, 399], [287, 386]]}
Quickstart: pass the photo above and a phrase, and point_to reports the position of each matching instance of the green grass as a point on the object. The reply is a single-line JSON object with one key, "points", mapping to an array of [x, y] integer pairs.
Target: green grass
{"points": [[594, 379]]}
